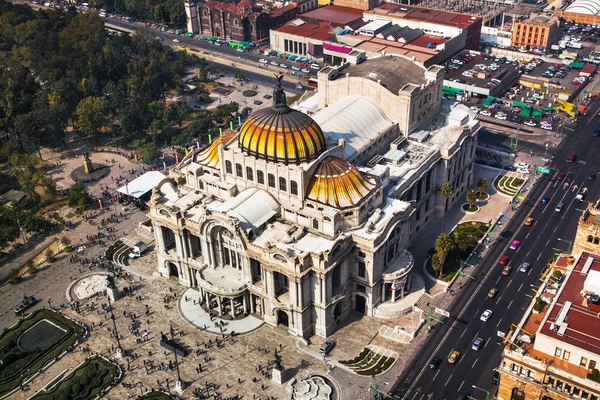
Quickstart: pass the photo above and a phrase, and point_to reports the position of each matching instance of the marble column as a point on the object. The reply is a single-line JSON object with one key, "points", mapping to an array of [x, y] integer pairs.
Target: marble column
{"points": [[208, 305], [252, 308], [245, 303], [383, 292], [393, 296], [219, 305], [232, 304], [323, 290]]}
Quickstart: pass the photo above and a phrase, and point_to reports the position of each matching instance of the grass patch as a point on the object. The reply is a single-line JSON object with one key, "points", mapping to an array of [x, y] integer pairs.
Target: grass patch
{"points": [[18, 364], [84, 383], [368, 363], [474, 231], [508, 185], [473, 208], [358, 358]]}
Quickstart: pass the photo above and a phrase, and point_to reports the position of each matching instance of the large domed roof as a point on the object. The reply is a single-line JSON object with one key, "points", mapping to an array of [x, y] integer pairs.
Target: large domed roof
{"points": [[281, 134], [338, 183], [209, 157]]}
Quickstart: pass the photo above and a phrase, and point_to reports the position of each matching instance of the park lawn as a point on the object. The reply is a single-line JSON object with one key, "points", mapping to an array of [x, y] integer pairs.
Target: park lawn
{"points": [[85, 383], [475, 230], [17, 364]]}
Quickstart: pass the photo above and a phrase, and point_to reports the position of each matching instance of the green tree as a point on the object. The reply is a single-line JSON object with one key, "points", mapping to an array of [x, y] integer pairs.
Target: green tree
{"points": [[461, 239], [49, 254], [471, 197], [90, 114], [447, 190], [149, 153], [435, 264], [482, 185], [443, 245], [79, 198], [239, 75]]}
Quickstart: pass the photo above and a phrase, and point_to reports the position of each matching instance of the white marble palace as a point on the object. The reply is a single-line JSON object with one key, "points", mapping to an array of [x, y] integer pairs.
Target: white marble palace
{"points": [[299, 220]]}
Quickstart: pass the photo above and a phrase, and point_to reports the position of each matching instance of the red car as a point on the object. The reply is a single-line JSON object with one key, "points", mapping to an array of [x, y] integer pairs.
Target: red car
{"points": [[503, 260]]}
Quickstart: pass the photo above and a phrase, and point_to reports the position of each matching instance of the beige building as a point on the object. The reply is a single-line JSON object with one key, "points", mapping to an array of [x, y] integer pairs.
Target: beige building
{"points": [[588, 230], [358, 4], [304, 214], [555, 354]]}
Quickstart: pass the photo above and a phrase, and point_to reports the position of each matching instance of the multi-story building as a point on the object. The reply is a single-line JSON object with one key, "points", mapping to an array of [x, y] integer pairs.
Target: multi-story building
{"points": [[555, 352], [300, 219], [588, 230], [536, 33]]}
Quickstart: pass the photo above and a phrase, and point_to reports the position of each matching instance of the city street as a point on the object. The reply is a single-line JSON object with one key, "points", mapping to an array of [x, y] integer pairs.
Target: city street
{"points": [[550, 230]]}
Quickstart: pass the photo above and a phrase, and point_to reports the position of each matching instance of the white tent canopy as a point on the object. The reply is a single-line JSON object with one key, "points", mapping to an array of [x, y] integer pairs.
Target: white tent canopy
{"points": [[142, 184]]}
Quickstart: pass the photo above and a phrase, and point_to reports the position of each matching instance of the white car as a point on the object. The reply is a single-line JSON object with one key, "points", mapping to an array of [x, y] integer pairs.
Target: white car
{"points": [[263, 61], [474, 109], [486, 315], [522, 165], [546, 125], [486, 113], [315, 66], [501, 116], [274, 63], [305, 71], [176, 40], [295, 68], [530, 123], [282, 65]]}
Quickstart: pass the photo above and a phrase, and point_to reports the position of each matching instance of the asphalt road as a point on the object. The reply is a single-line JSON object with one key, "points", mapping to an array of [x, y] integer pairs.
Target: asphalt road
{"points": [[537, 243], [225, 56]]}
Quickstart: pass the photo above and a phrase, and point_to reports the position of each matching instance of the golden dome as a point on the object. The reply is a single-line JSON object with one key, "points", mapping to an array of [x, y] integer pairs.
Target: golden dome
{"points": [[338, 183], [281, 134], [209, 157]]}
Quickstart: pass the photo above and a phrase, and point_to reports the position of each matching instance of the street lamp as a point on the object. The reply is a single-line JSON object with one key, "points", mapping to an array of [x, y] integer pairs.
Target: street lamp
{"points": [[487, 392]]}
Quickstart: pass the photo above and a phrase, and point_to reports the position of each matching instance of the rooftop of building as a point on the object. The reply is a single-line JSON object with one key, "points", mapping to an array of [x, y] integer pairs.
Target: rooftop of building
{"points": [[301, 28], [413, 13], [540, 20], [393, 72], [335, 15]]}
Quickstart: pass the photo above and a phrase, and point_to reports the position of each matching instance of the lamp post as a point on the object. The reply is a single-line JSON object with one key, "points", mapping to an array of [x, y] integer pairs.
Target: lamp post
{"points": [[487, 392], [179, 385], [120, 352], [376, 393]]}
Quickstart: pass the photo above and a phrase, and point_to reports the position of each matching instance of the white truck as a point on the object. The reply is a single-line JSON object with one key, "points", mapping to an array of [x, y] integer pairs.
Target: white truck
{"points": [[138, 249]]}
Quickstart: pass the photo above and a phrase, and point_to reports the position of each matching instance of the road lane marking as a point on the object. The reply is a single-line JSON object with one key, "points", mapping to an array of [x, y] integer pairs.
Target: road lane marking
{"points": [[538, 257], [509, 283], [498, 324], [448, 380], [519, 289], [463, 334], [510, 304], [547, 242], [461, 385], [436, 374], [487, 341], [498, 280], [526, 236], [472, 366]]}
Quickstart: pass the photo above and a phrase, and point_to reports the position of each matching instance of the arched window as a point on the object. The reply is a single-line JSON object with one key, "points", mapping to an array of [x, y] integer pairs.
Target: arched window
{"points": [[590, 239], [249, 174], [596, 240], [228, 167], [238, 170], [294, 187], [260, 177], [282, 184], [271, 179], [315, 224]]}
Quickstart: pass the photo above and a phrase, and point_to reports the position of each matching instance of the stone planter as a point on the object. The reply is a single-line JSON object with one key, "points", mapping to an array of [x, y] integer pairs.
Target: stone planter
{"points": [[484, 197], [474, 210]]}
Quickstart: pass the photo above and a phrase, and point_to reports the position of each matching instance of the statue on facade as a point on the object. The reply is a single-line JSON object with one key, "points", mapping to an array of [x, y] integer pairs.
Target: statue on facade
{"points": [[279, 99]]}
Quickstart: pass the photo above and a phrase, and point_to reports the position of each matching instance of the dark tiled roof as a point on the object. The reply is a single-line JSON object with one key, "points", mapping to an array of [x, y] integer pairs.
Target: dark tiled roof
{"points": [[404, 32]]}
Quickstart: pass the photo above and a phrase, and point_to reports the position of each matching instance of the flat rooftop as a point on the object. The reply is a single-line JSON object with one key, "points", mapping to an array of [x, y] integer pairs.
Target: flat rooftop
{"points": [[335, 15], [582, 319], [413, 13], [307, 30], [394, 72]]}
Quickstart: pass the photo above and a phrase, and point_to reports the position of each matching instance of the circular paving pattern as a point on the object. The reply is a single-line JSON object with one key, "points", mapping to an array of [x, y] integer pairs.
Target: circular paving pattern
{"points": [[89, 286]]}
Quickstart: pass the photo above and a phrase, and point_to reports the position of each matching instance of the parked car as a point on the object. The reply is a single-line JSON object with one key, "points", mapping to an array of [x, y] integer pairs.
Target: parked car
{"points": [[486, 315], [263, 61], [530, 123], [487, 113], [327, 347]]}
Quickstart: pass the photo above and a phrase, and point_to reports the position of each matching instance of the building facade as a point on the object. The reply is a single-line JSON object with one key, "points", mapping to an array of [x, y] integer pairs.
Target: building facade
{"points": [[555, 352], [588, 230], [537, 33], [283, 219]]}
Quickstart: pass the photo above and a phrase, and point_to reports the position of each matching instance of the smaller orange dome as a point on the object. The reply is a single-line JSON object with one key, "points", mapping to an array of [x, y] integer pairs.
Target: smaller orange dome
{"points": [[339, 184], [209, 157]]}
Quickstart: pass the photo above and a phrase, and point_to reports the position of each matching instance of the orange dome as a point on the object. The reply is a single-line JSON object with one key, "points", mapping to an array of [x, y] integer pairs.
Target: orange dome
{"points": [[281, 134], [338, 183], [209, 157]]}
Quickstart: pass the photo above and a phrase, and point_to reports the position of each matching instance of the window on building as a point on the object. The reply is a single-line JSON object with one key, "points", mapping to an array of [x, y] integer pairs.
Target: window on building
{"points": [[361, 254], [531, 374], [282, 184], [551, 381], [294, 187], [566, 355], [592, 364], [596, 240], [238, 170], [271, 179], [249, 174], [593, 397], [523, 371], [568, 388], [515, 368], [315, 224], [583, 362], [558, 352], [361, 288], [362, 269], [228, 167], [584, 394], [590, 239], [576, 391], [260, 177]]}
